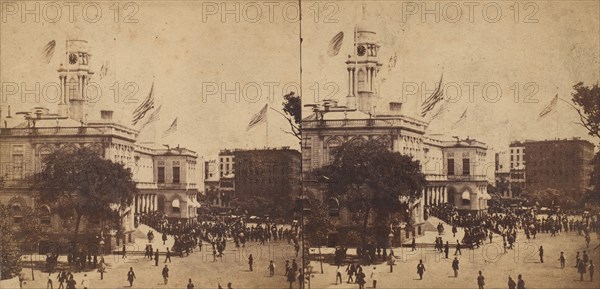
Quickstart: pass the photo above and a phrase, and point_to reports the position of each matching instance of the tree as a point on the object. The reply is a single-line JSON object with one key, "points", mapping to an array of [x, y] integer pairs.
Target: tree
{"points": [[292, 107], [17, 237], [82, 185], [317, 225], [587, 101], [369, 178]]}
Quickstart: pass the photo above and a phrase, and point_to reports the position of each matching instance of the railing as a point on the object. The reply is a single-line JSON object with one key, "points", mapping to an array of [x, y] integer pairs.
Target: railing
{"points": [[146, 185], [435, 177], [467, 178], [81, 130], [392, 122]]}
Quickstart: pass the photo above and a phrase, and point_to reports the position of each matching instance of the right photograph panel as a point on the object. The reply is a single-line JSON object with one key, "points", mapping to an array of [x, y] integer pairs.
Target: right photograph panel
{"points": [[450, 144]]}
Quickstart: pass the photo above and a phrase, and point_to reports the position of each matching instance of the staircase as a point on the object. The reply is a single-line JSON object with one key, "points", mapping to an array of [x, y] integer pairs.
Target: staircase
{"points": [[140, 238]]}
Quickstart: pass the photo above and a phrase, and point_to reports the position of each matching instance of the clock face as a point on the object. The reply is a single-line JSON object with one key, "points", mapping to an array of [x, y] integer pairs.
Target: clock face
{"points": [[72, 58], [361, 50]]}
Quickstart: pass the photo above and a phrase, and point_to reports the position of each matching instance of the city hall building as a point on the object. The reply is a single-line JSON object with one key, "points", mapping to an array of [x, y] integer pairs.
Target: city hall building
{"points": [[168, 179], [452, 167]]}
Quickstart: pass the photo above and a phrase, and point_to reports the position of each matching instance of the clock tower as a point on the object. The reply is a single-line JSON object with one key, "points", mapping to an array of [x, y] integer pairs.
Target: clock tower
{"points": [[363, 65], [74, 76]]}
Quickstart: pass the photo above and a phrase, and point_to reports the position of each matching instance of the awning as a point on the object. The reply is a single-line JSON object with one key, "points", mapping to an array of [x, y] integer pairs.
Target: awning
{"points": [[466, 195], [175, 203]]}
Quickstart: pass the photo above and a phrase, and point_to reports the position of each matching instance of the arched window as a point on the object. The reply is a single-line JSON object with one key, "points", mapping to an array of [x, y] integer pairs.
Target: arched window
{"points": [[361, 80], [466, 198], [175, 206], [44, 212], [334, 207], [17, 213]]}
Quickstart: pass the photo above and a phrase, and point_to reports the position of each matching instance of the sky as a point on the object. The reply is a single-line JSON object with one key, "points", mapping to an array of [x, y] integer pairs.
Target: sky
{"points": [[210, 72], [502, 70], [197, 53]]}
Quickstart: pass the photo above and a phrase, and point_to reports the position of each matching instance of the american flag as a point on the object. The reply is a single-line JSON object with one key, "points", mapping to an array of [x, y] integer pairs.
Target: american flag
{"points": [[437, 95], [258, 118], [147, 105]]}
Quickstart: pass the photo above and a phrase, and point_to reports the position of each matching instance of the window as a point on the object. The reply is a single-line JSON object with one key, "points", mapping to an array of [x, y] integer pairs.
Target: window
{"points": [[466, 198], [466, 169], [17, 160], [334, 207], [450, 167], [161, 175], [361, 80], [176, 175], [45, 215], [175, 206], [17, 213]]}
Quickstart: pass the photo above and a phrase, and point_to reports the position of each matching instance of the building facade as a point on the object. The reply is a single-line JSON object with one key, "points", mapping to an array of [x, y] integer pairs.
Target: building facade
{"points": [[450, 166], [563, 164], [167, 179]]}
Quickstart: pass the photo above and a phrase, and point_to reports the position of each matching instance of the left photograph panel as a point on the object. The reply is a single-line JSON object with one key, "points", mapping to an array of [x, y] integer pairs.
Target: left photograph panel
{"points": [[150, 144]]}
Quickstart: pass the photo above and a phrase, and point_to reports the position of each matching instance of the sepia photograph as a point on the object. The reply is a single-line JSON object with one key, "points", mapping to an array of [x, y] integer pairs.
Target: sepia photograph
{"points": [[299, 144]]}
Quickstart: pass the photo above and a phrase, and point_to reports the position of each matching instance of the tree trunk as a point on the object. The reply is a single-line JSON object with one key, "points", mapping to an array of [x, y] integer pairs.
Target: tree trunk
{"points": [[76, 232], [364, 234]]}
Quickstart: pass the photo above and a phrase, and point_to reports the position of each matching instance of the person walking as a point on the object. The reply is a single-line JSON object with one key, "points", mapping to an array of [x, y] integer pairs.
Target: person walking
{"points": [[156, 258], [455, 267], [62, 277], [457, 251], [85, 282], [511, 283], [71, 282], [413, 245], [165, 274], [190, 285], [49, 282], [291, 277], [350, 271], [338, 275], [591, 269], [520, 282], [271, 268], [250, 260], [420, 269], [541, 250], [360, 279], [130, 276], [124, 252], [581, 269], [562, 260], [374, 277], [446, 249], [168, 255], [454, 230], [480, 280], [391, 262]]}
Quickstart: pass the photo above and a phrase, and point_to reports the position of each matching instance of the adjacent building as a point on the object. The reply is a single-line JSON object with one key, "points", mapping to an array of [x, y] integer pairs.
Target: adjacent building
{"points": [[562, 164]]}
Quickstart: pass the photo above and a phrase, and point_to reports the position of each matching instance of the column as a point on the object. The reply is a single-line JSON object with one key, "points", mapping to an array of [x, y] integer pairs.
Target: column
{"points": [[353, 81], [349, 82], [156, 202]]}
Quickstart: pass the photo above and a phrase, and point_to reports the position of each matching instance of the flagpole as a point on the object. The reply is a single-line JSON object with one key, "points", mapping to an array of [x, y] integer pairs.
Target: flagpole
{"points": [[267, 121]]}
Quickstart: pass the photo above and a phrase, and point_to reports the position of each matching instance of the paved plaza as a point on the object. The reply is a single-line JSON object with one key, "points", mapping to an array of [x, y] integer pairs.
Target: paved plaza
{"points": [[205, 273], [496, 267]]}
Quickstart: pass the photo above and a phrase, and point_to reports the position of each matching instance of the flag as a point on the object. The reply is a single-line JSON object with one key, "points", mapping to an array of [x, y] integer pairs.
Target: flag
{"points": [[462, 117], [147, 105], [441, 110], [258, 118], [153, 117], [335, 44], [549, 107], [49, 50], [171, 129], [437, 95]]}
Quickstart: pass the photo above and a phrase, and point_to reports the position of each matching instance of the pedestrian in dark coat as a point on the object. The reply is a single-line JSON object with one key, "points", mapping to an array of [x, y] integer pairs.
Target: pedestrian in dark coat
{"points": [[520, 283], [130, 276], [420, 269], [581, 270], [455, 267], [480, 280], [511, 283], [156, 258], [446, 249]]}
